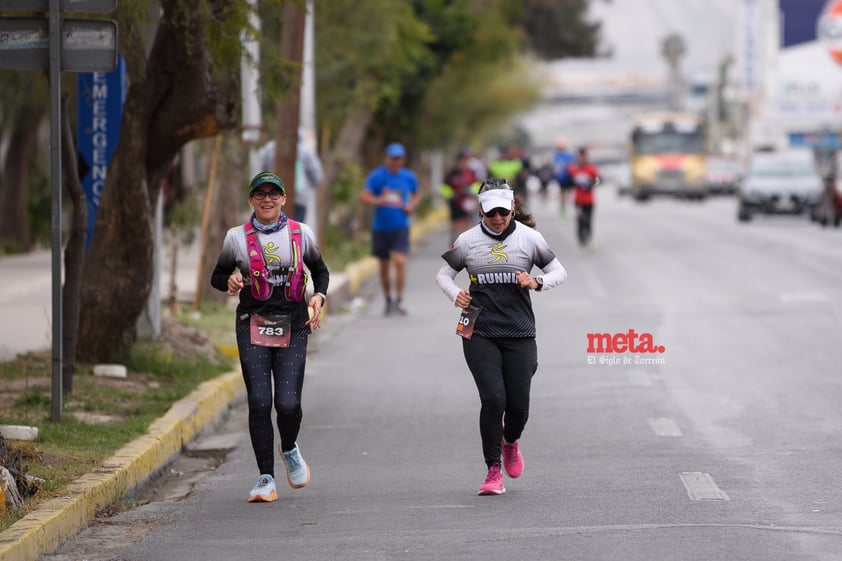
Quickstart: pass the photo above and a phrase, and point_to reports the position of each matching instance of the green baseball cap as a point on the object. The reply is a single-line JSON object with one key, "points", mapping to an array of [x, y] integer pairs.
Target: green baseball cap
{"points": [[266, 177]]}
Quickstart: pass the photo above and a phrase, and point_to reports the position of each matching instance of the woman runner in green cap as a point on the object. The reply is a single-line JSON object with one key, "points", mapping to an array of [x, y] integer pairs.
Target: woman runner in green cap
{"points": [[265, 261]]}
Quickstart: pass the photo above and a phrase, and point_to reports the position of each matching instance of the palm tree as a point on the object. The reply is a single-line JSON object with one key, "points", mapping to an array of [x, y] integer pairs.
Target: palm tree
{"points": [[673, 48]]}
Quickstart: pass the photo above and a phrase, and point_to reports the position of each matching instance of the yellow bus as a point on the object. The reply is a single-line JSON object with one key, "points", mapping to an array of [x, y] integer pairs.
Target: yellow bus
{"points": [[668, 156]]}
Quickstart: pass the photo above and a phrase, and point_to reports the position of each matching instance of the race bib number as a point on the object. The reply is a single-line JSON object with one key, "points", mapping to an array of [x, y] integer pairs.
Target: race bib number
{"points": [[465, 327], [583, 180], [270, 330], [393, 198]]}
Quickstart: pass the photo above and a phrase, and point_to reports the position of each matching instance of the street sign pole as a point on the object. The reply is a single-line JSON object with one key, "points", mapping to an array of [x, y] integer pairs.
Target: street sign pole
{"points": [[55, 188], [62, 45]]}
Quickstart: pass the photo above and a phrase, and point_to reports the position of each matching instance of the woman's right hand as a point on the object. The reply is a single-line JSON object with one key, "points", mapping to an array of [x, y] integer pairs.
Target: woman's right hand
{"points": [[463, 299], [235, 284]]}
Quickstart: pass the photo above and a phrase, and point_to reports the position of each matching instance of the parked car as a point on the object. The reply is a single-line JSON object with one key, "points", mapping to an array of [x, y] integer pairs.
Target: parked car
{"points": [[617, 174], [780, 182], [723, 175]]}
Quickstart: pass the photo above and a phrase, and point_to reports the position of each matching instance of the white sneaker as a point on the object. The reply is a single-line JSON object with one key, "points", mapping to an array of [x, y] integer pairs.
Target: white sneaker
{"points": [[298, 473], [264, 490]]}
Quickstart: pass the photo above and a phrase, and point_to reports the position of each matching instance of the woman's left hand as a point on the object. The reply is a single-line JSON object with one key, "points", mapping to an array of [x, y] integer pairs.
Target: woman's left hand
{"points": [[463, 299], [315, 320], [525, 280]]}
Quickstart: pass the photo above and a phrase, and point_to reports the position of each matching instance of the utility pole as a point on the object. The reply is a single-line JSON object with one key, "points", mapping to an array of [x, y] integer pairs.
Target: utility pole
{"points": [[713, 116], [289, 106], [250, 79], [307, 116]]}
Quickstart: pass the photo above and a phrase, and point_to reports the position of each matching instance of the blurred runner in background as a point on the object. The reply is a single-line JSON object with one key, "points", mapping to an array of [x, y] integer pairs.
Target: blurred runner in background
{"points": [[562, 158], [585, 178], [392, 190], [308, 173], [512, 166], [460, 189]]}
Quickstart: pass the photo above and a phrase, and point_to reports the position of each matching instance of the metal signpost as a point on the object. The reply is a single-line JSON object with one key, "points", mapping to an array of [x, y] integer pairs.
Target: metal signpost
{"points": [[56, 45]]}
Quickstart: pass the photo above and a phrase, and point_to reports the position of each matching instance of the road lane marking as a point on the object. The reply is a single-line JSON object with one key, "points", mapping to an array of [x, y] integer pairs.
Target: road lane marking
{"points": [[413, 507], [639, 378], [552, 531], [803, 297], [663, 426], [701, 487]]}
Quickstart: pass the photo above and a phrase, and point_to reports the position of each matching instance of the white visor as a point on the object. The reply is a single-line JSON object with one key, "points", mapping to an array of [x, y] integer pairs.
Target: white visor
{"points": [[496, 198]]}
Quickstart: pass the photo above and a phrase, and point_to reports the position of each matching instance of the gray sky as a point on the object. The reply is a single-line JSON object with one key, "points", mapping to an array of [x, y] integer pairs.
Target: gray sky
{"points": [[635, 28]]}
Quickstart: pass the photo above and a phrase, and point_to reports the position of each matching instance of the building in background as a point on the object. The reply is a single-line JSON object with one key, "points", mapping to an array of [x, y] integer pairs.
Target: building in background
{"points": [[802, 75]]}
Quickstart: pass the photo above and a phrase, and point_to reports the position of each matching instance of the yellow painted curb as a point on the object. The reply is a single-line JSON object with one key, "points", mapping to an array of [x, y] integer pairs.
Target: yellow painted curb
{"points": [[433, 220], [360, 270], [43, 530], [230, 351]]}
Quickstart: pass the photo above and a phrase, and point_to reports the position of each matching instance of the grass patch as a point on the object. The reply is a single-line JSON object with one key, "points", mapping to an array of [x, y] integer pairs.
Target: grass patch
{"points": [[29, 365], [103, 414], [339, 250], [214, 319]]}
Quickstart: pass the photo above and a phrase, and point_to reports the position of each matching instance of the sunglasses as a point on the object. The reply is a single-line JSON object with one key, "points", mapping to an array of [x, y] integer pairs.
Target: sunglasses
{"points": [[274, 194], [499, 211]]}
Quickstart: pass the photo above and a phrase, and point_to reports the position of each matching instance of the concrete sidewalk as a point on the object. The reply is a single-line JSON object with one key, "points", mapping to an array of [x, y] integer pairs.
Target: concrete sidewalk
{"points": [[136, 463]]}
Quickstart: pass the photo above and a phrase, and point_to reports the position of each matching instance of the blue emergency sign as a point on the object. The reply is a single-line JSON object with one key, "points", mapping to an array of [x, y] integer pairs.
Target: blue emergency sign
{"points": [[100, 97]]}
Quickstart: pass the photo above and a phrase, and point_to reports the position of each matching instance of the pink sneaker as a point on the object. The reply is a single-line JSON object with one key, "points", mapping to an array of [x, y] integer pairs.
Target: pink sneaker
{"points": [[493, 482], [512, 459]]}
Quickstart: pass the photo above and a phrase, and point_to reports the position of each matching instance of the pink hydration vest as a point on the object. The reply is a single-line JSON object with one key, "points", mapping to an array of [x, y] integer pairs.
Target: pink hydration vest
{"points": [[296, 282]]}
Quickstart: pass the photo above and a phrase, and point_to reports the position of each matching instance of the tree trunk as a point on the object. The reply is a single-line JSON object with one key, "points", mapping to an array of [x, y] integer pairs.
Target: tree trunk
{"points": [[227, 212], [119, 261], [348, 143], [175, 97], [289, 106], [74, 252], [347, 152], [14, 184]]}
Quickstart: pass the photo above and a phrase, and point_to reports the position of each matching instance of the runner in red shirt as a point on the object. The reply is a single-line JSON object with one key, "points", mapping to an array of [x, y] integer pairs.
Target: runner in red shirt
{"points": [[585, 178]]}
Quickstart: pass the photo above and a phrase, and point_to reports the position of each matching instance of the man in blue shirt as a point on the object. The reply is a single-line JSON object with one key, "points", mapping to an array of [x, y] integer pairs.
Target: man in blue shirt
{"points": [[562, 158], [392, 190]]}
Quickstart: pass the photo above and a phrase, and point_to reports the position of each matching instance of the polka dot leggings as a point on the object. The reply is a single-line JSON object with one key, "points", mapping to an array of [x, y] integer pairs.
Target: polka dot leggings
{"points": [[261, 367]]}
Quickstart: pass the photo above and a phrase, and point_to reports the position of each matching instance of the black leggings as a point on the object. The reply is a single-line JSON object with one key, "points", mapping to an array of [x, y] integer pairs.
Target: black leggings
{"points": [[502, 369], [584, 223], [261, 366]]}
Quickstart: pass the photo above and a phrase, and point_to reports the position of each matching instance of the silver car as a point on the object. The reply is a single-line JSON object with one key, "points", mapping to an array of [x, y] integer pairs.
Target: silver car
{"points": [[780, 182]]}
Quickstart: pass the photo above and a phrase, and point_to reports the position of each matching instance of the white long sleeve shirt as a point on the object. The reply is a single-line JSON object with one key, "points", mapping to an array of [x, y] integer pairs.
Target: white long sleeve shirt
{"points": [[492, 265]]}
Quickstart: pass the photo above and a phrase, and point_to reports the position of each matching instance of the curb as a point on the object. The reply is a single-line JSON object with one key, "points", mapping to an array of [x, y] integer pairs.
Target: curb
{"points": [[43, 530]]}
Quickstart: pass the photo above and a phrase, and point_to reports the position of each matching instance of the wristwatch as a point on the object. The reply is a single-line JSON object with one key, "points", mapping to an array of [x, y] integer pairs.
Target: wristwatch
{"points": [[539, 283]]}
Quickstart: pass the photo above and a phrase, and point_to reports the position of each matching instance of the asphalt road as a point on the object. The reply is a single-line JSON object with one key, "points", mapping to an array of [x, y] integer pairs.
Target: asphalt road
{"points": [[26, 296], [26, 301], [728, 448]]}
